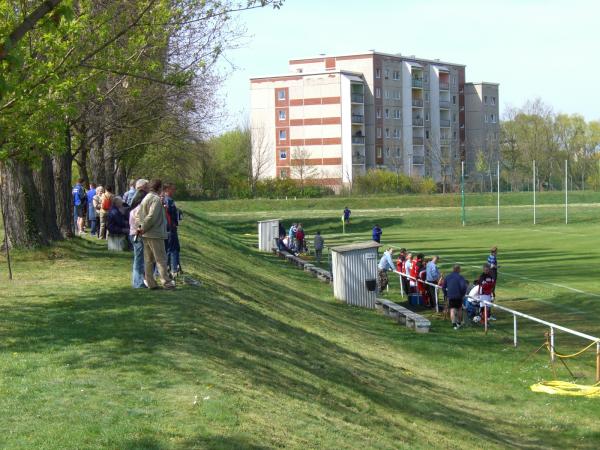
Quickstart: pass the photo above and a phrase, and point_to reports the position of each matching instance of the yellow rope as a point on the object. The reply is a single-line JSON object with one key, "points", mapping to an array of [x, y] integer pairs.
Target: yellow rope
{"points": [[565, 388], [576, 354]]}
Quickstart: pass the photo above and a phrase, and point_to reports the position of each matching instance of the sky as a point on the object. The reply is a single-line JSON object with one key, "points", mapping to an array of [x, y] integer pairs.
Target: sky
{"points": [[533, 48]]}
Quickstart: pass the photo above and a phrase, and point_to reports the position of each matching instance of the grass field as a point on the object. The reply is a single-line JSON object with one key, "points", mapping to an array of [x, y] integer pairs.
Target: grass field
{"points": [[262, 356]]}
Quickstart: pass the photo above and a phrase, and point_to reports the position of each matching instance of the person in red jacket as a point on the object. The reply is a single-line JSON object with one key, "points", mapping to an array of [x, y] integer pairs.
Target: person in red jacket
{"points": [[300, 238], [487, 284]]}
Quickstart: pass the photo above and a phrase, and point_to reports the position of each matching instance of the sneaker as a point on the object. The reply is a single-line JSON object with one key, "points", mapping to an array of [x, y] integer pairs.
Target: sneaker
{"points": [[491, 318], [169, 286]]}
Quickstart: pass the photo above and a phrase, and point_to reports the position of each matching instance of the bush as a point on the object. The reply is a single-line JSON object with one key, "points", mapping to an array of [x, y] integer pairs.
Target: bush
{"points": [[378, 181]]}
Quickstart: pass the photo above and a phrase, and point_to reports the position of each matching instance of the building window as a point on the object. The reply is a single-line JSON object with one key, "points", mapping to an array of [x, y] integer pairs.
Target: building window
{"points": [[282, 135], [281, 115], [387, 152], [378, 152], [377, 92], [454, 135], [453, 80], [387, 74], [396, 114], [454, 99], [386, 93], [396, 133], [283, 173], [396, 75], [427, 117], [281, 94], [485, 99], [377, 73], [425, 77], [282, 154], [378, 113], [426, 134], [397, 151], [485, 119], [387, 113], [387, 133], [493, 100], [378, 133], [492, 118], [397, 95], [426, 96], [454, 118]]}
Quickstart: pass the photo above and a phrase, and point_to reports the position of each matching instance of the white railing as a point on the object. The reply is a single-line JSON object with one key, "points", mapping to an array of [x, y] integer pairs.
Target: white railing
{"points": [[515, 314]]}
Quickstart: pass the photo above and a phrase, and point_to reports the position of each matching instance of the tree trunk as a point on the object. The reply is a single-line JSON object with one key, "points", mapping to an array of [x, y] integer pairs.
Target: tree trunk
{"points": [[97, 162], [61, 165], [23, 212], [44, 183]]}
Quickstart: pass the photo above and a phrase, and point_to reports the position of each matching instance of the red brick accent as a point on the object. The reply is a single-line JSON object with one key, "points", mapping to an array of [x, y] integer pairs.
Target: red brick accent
{"points": [[315, 101], [285, 102], [282, 123], [329, 63], [332, 141], [317, 162], [332, 120], [296, 122], [316, 141], [296, 102], [316, 121], [272, 79], [331, 100]]}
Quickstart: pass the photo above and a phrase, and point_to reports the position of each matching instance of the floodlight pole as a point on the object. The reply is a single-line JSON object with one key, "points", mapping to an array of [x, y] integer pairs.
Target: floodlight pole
{"points": [[498, 176], [533, 185], [566, 192], [462, 190]]}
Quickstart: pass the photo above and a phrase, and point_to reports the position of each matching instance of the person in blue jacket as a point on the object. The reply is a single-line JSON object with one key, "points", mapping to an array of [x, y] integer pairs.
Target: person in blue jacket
{"points": [[455, 288], [377, 232], [173, 247], [91, 211], [79, 200]]}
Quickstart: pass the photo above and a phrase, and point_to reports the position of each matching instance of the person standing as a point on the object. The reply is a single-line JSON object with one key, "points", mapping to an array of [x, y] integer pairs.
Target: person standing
{"points": [[319, 242], [91, 210], [173, 247], [141, 189], [455, 288], [377, 232], [128, 196], [79, 199], [300, 238], [152, 226], [292, 235], [137, 242], [407, 270], [432, 277], [347, 213], [486, 283], [493, 262], [105, 206], [97, 203], [385, 263]]}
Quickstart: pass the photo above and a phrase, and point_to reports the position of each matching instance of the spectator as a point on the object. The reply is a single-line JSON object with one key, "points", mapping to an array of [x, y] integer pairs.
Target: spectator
{"points": [[282, 244], [97, 203], [319, 242], [79, 199], [400, 268], [455, 287], [105, 206], [377, 232], [173, 247], [153, 228], [407, 271], [385, 263], [117, 225], [347, 213], [292, 235], [137, 242], [493, 262], [300, 238], [141, 189], [91, 210], [433, 276], [486, 285], [128, 196]]}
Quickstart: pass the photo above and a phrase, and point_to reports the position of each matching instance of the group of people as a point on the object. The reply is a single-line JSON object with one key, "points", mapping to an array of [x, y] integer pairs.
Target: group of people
{"points": [[145, 218], [422, 276], [294, 241]]}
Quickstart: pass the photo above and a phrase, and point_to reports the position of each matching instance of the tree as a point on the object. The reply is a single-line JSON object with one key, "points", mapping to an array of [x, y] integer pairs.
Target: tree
{"points": [[302, 167]]}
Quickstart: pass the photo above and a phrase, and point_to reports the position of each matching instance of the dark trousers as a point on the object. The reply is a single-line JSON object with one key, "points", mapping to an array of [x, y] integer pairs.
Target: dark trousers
{"points": [[173, 249], [431, 293], [406, 285]]}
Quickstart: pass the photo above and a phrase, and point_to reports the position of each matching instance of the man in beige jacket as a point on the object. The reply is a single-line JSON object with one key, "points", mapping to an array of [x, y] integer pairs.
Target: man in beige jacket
{"points": [[152, 224]]}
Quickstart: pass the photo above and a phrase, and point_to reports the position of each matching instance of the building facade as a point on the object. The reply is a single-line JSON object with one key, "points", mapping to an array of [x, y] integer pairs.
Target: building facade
{"points": [[333, 117]]}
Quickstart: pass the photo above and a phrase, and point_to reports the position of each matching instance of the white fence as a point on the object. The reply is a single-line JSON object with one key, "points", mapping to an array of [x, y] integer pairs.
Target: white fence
{"points": [[515, 314]]}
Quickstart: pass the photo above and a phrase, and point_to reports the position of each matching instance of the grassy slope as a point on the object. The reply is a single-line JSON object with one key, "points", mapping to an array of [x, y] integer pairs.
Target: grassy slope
{"points": [[269, 356]]}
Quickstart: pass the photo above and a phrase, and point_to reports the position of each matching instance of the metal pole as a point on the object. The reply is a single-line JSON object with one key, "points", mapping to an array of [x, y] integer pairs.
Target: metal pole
{"points": [[401, 286], [437, 308], [597, 361], [462, 190], [566, 193], [485, 318], [533, 184], [515, 329], [498, 176], [552, 344]]}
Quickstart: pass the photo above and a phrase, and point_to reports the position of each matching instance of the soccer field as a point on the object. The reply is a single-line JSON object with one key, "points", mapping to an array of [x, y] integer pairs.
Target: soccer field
{"points": [[549, 270]]}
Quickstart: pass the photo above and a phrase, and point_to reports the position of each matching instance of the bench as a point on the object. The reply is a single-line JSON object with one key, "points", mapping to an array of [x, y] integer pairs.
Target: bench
{"points": [[403, 315]]}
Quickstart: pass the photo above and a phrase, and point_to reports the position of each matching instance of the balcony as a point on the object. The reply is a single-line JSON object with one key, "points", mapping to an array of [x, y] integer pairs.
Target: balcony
{"points": [[445, 123], [358, 140], [417, 122], [358, 158], [417, 103], [444, 141], [417, 82], [418, 140], [357, 98], [418, 160], [358, 118], [444, 86], [444, 104]]}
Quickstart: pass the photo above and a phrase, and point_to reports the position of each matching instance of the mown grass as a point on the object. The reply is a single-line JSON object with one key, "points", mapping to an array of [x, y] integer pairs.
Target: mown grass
{"points": [[260, 356]]}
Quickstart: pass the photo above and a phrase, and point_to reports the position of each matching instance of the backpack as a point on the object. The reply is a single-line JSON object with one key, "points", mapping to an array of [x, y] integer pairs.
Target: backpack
{"points": [[106, 203]]}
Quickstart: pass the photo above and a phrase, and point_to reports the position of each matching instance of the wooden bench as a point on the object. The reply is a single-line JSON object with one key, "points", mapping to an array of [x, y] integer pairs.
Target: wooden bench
{"points": [[403, 315]]}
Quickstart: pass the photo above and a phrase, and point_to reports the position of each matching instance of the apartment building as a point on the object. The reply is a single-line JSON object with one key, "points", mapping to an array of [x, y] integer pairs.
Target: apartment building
{"points": [[334, 117]]}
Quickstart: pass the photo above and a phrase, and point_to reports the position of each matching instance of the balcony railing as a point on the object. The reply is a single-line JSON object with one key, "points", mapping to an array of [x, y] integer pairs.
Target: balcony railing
{"points": [[417, 122], [359, 140], [444, 104], [418, 160], [358, 158], [357, 98], [444, 141], [444, 86], [444, 123], [418, 140], [417, 103], [358, 118], [417, 82]]}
